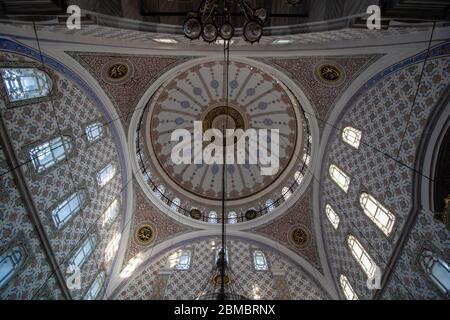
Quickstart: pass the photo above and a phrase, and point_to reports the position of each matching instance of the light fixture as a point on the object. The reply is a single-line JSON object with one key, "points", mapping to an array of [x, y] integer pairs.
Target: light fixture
{"points": [[295, 2], [210, 32], [253, 31], [227, 31], [213, 20], [192, 28]]}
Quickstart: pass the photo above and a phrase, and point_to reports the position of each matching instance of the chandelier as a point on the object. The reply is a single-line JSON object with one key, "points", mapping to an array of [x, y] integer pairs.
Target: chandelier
{"points": [[223, 284], [213, 20]]}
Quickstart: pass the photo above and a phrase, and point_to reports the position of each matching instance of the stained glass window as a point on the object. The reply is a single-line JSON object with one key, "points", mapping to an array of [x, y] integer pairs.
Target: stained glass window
{"points": [[212, 217], [110, 213], [10, 261], [232, 217], [67, 208], [338, 176], [106, 174], [259, 260], [332, 216], [94, 132], [95, 287], [269, 205], [382, 218], [26, 83], [184, 260], [437, 269], [83, 253], [347, 288], [286, 192], [361, 255], [175, 204], [50, 152], [351, 136]]}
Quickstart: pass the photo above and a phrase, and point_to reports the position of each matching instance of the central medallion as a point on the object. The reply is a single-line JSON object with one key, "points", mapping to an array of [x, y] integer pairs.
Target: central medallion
{"points": [[223, 118]]}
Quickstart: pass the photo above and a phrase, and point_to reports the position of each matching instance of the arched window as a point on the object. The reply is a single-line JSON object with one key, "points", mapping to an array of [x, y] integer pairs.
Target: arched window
{"points": [[95, 287], [83, 253], [347, 288], [377, 213], [110, 213], [361, 255], [184, 260], [286, 192], [106, 174], [332, 216], [298, 176], [232, 217], [218, 252], [67, 208], [94, 132], [112, 247], [212, 217], [160, 190], [269, 205], [259, 260], [10, 261], [306, 159], [175, 204], [338, 176], [351, 136], [437, 269], [26, 83], [46, 154]]}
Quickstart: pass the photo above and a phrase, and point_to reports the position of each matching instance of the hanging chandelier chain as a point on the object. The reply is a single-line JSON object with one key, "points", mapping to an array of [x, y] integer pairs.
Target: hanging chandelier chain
{"points": [[203, 22]]}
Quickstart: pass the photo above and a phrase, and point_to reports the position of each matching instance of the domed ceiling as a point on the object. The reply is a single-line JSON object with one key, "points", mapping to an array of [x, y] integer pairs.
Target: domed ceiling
{"points": [[257, 100]]}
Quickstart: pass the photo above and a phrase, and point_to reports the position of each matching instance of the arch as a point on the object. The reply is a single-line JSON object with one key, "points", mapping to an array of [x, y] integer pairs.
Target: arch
{"points": [[137, 265]]}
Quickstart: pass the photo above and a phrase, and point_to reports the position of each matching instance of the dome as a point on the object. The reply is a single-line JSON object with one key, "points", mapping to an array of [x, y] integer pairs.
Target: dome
{"points": [[191, 150], [194, 99]]}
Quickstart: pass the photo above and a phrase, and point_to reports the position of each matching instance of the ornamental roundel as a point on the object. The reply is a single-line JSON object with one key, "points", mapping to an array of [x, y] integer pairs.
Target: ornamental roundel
{"points": [[117, 71], [330, 73], [299, 237], [251, 214], [145, 234], [196, 214], [217, 280]]}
